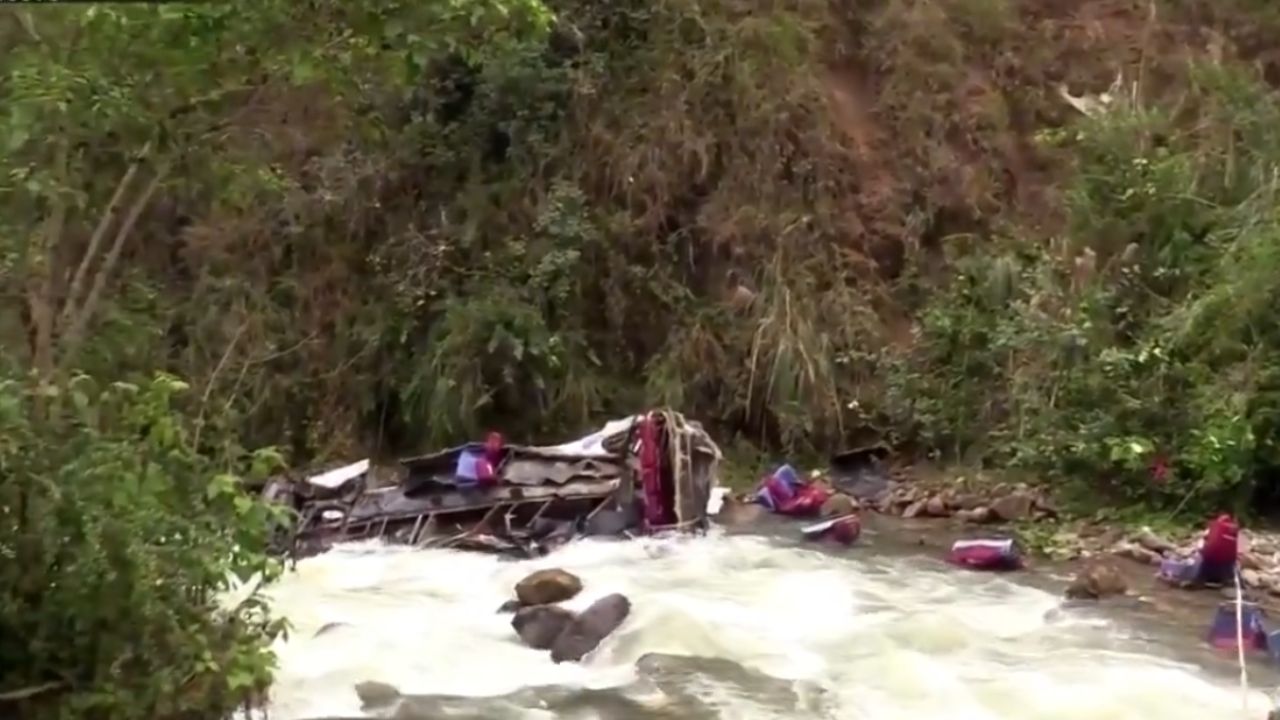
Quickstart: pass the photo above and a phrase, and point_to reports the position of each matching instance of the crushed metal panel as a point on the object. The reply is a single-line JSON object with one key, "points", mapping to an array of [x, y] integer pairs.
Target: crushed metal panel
{"points": [[538, 470], [695, 463], [568, 485], [608, 441]]}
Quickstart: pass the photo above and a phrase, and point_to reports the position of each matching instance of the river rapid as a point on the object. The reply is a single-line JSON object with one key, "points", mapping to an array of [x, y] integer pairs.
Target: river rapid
{"points": [[729, 627]]}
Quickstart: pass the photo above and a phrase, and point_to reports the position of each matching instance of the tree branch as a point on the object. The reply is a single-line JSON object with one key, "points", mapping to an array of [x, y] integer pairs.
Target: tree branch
{"points": [[40, 279], [99, 233], [213, 379], [30, 692], [75, 335]]}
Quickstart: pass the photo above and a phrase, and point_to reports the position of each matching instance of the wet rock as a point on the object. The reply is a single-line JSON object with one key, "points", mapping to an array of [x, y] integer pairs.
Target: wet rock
{"points": [[374, 694], [914, 509], [905, 496], [968, 502], [838, 505], [509, 606], [1097, 581], [1249, 561], [936, 507], [1251, 578], [547, 586], [1137, 553], [1013, 507], [540, 625], [589, 628], [1153, 542], [976, 515]]}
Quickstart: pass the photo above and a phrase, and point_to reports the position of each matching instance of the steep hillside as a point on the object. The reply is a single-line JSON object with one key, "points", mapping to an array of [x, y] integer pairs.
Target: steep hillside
{"points": [[767, 215]]}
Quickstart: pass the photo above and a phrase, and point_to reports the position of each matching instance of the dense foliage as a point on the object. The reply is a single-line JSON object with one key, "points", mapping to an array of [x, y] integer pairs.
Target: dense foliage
{"points": [[373, 227], [118, 543], [1132, 358]]}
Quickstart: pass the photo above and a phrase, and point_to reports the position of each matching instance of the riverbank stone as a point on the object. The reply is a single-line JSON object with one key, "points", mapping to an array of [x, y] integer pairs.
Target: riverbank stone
{"points": [[936, 506], [1147, 538], [978, 515], [547, 586], [1016, 506]]}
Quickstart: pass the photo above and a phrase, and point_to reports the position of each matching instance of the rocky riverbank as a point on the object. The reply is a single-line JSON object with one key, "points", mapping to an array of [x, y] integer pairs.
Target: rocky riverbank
{"points": [[1096, 553]]}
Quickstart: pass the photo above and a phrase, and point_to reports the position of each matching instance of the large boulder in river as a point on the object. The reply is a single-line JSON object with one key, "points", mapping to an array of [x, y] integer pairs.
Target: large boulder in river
{"points": [[547, 586], [590, 627], [1097, 581], [540, 625]]}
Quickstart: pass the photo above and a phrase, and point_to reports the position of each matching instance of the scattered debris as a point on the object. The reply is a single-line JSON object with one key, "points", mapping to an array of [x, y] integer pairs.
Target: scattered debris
{"points": [[785, 493], [998, 554], [647, 473], [1224, 632]]}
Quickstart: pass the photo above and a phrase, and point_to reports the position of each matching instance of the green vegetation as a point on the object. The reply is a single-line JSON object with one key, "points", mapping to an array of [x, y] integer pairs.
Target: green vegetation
{"points": [[117, 542], [372, 229], [1142, 337]]}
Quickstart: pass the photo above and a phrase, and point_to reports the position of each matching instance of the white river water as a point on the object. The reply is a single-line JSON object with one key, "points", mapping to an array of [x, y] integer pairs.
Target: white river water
{"points": [[734, 627]]}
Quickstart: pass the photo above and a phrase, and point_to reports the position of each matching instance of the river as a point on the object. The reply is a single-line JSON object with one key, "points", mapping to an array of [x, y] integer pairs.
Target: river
{"points": [[733, 627]]}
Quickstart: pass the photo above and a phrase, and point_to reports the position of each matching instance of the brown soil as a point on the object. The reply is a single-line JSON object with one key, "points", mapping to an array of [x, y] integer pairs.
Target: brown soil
{"points": [[940, 102]]}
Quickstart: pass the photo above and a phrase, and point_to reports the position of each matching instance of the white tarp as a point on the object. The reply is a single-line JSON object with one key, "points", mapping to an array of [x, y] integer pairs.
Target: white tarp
{"points": [[338, 477], [592, 445]]}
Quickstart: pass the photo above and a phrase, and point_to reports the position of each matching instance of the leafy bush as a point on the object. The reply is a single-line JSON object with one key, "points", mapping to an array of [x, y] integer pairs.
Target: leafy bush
{"points": [[118, 542], [1134, 357]]}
